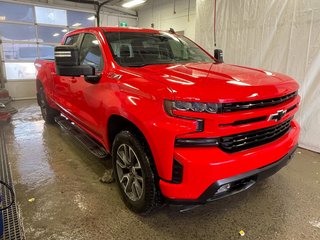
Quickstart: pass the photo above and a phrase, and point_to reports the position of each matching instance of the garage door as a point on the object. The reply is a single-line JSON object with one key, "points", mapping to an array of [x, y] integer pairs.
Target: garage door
{"points": [[29, 32]]}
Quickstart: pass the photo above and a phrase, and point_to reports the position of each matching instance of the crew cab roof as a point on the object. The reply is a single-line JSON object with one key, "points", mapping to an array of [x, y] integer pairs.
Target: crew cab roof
{"points": [[129, 29], [115, 29]]}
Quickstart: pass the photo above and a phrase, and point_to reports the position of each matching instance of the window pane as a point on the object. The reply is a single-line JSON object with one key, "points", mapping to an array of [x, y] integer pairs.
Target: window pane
{"points": [[81, 19], [46, 51], [71, 39], [90, 53], [50, 34], [19, 71], [16, 12], [16, 51], [9, 31], [51, 16]]}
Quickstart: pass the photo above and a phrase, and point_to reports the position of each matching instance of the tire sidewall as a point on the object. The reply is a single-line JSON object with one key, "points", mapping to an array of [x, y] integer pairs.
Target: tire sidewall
{"points": [[43, 100], [147, 200], [49, 113]]}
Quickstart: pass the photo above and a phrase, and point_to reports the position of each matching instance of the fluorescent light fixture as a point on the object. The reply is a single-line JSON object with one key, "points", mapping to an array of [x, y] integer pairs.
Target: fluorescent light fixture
{"points": [[133, 3], [56, 34], [76, 25], [91, 18], [64, 30]]}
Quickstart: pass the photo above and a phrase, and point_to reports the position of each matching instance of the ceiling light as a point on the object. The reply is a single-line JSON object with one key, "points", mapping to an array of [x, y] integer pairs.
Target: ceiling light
{"points": [[76, 25], [64, 30], [91, 18], [133, 3], [56, 34]]}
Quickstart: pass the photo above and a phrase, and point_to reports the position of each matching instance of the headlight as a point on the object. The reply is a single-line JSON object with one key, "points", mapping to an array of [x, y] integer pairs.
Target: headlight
{"points": [[190, 106]]}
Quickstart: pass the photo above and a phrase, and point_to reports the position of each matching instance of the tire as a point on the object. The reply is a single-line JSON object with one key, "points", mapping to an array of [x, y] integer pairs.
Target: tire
{"points": [[48, 113], [133, 173]]}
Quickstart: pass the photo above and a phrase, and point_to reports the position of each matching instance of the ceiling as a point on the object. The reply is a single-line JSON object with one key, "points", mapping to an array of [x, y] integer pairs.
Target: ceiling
{"points": [[114, 4], [118, 3]]}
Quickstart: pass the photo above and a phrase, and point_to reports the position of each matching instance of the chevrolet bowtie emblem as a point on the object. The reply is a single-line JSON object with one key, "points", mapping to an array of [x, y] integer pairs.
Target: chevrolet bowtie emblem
{"points": [[277, 116]]}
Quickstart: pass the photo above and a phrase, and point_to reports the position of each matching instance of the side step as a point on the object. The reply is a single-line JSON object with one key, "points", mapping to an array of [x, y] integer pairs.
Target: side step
{"points": [[87, 141]]}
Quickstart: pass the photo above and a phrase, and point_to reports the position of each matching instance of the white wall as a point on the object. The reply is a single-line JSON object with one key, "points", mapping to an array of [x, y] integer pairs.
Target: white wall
{"points": [[161, 14], [279, 35], [113, 20]]}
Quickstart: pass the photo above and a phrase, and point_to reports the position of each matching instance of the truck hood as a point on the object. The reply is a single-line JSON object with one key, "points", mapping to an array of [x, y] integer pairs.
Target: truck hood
{"points": [[212, 82]]}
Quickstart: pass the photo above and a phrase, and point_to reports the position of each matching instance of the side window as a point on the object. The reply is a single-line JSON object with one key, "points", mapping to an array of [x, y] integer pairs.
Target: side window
{"points": [[90, 52], [71, 39]]}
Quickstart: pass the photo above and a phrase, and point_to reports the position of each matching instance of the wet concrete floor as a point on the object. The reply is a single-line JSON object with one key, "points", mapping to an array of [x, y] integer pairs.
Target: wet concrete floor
{"points": [[71, 203]]}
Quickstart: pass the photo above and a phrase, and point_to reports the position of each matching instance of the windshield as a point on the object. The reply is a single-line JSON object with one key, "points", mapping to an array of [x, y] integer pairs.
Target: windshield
{"points": [[136, 49]]}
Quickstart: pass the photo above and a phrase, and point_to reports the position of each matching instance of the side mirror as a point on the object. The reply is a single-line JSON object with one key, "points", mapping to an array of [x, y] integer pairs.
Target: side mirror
{"points": [[218, 55], [67, 60], [93, 79]]}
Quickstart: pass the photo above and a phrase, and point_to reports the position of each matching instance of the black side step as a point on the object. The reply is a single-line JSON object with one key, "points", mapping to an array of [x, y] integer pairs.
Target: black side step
{"points": [[87, 141]]}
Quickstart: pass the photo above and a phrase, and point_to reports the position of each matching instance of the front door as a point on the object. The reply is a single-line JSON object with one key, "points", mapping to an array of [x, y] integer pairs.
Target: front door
{"points": [[62, 84], [87, 98]]}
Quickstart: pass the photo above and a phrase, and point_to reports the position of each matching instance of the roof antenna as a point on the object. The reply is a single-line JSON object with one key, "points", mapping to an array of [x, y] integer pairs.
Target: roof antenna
{"points": [[172, 31]]}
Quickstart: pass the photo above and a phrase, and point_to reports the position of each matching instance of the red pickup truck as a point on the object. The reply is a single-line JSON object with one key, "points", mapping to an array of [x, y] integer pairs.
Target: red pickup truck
{"points": [[180, 124]]}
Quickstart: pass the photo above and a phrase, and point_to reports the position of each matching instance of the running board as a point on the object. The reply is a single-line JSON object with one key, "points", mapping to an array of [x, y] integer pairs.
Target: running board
{"points": [[87, 141]]}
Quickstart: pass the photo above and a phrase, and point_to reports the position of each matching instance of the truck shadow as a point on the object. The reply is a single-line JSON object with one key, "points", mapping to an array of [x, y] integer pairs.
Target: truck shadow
{"points": [[255, 211]]}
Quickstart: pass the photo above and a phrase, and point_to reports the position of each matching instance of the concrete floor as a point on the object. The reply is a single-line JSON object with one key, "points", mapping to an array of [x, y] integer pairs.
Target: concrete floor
{"points": [[71, 203]]}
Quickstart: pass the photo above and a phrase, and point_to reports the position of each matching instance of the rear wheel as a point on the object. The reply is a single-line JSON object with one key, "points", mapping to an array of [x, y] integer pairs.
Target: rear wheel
{"points": [[133, 173], [48, 113]]}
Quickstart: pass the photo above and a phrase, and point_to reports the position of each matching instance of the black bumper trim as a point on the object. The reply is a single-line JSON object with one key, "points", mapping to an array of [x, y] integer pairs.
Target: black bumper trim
{"points": [[239, 182]]}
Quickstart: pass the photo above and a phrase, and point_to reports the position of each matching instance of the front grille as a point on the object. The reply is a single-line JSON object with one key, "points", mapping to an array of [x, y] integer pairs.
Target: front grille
{"points": [[255, 138], [238, 106]]}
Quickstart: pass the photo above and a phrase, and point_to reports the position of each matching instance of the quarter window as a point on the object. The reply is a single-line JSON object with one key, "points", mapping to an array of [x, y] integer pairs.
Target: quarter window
{"points": [[71, 39]]}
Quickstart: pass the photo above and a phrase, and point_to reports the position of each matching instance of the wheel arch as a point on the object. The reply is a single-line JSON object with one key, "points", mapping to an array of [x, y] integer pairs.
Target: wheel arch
{"points": [[117, 123], [38, 84]]}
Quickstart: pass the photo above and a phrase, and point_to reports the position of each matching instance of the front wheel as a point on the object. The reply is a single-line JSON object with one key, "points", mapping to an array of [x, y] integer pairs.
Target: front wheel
{"points": [[48, 113], [133, 173]]}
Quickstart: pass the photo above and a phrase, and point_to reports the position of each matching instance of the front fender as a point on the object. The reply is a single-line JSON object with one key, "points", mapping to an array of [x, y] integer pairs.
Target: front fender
{"points": [[141, 102]]}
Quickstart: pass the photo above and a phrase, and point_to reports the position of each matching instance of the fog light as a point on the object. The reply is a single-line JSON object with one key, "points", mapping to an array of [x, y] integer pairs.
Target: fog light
{"points": [[224, 188]]}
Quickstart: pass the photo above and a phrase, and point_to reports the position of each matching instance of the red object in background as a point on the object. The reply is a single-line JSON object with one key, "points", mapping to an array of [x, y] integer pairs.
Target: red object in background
{"points": [[4, 94], [5, 117], [256, 110]]}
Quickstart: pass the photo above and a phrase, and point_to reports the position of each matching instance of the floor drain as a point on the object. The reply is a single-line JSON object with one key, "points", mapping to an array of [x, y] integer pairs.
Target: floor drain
{"points": [[11, 224]]}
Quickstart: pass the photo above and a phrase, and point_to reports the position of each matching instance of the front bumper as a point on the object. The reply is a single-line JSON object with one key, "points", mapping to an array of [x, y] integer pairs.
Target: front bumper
{"points": [[239, 183], [206, 169]]}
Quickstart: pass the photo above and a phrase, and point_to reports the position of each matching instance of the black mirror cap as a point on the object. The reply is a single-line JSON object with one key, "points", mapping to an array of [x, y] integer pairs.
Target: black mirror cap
{"points": [[67, 55], [218, 55], [93, 79], [75, 71]]}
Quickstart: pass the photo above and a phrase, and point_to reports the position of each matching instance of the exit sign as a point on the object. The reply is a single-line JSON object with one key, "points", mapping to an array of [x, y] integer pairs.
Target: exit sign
{"points": [[123, 24]]}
